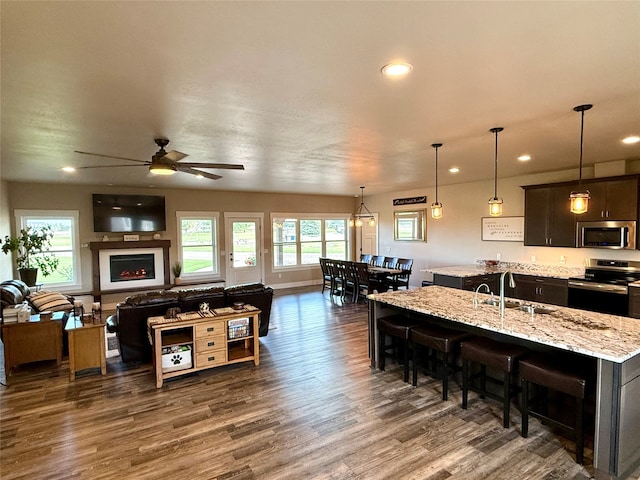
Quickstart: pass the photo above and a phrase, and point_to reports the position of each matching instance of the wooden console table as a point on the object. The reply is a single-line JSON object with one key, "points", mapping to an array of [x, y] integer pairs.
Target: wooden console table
{"points": [[191, 342], [31, 341]]}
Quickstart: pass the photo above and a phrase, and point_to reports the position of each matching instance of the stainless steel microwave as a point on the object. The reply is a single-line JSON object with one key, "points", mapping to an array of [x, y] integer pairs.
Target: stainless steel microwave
{"points": [[613, 234]]}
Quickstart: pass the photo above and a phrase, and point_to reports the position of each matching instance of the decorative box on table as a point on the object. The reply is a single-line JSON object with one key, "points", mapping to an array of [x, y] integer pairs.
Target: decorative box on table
{"points": [[176, 357]]}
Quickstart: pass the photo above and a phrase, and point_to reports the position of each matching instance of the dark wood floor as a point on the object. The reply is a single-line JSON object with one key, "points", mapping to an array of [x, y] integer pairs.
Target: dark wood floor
{"points": [[313, 409]]}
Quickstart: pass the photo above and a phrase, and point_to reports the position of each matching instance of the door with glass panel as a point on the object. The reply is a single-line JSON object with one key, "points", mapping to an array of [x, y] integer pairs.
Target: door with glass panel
{"points": [[243, 240]]}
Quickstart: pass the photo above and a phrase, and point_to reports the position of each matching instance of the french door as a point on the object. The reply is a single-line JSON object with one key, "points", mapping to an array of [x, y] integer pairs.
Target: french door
{"points": [[243, 243]]}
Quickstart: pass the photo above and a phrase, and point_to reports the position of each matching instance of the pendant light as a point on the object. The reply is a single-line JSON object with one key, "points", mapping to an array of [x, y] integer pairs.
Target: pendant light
{"points": [[580, 198], [360, 213], [495, 204], [436, 208]]}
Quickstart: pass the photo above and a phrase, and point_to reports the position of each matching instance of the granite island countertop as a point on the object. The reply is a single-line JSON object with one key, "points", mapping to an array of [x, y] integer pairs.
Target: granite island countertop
{"points": [[540, 270], [610, 337]]}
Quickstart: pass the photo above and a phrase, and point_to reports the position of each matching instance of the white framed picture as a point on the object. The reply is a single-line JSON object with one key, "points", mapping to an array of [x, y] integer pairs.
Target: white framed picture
{"points": [[503, 229]]}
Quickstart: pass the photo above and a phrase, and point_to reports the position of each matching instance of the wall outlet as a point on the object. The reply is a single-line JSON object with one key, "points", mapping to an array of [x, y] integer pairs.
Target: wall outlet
{"points": [[498, 256], [563, 259], [533, 259]]}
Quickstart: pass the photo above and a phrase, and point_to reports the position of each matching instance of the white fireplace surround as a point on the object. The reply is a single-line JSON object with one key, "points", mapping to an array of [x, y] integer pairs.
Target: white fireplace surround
{"points": [[105, 268]]}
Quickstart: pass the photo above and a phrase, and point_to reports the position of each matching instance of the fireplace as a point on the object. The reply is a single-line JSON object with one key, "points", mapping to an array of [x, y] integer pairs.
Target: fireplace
{"points": [[130, 266]]}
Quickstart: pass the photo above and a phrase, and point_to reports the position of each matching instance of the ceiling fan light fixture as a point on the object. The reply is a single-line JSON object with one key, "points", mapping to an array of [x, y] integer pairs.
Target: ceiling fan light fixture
{"points": [[580, 198], [162, 169]]}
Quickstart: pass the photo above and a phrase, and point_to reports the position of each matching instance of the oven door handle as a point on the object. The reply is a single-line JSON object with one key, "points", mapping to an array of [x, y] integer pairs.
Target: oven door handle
{"points": [[598, 287]]}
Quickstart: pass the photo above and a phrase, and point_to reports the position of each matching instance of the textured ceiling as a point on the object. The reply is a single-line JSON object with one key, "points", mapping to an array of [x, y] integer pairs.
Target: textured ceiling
{"points": [[293, 90]]}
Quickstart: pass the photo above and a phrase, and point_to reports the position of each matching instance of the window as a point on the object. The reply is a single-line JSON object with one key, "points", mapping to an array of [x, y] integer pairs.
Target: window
{"points": [[198, 244], [65, 243], [301, 240]]}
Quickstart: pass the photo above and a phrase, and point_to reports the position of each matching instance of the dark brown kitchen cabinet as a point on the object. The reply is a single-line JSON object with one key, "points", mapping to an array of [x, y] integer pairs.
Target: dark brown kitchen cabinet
{"points": [[612, 200], [467, 283], [548, 221], [634, 302], [554, 291]]}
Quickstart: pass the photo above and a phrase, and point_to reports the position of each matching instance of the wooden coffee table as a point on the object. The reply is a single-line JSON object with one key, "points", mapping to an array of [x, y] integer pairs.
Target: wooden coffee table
{"points": [[87, 347]]}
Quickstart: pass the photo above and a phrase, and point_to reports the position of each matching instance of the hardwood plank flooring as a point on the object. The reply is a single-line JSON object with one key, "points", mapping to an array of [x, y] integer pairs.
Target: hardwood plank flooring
{"points": [[313, 409]]}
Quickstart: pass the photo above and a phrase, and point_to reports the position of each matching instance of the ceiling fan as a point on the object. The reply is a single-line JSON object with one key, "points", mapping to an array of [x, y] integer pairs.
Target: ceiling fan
{"points": [[167, 163]]}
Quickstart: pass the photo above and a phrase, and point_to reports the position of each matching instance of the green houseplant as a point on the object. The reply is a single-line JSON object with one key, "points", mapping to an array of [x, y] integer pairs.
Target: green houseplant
{"points": [[33, 246], [176, 268]]}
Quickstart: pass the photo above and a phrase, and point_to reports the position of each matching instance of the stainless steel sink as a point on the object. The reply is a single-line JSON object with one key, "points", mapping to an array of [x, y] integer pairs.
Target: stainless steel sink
{"points": [[535, 309], [496, 303]]}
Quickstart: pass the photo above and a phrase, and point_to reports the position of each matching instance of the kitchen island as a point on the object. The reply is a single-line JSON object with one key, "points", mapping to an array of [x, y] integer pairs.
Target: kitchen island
{"points": [[614, 342]]}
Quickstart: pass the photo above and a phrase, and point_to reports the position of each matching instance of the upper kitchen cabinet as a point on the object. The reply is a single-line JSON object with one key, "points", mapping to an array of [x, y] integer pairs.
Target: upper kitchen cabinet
{"points": [[613, 199], [548, 222]]}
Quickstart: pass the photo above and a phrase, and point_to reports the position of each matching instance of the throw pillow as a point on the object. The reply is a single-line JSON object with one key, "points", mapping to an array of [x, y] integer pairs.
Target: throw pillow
{"points": [[48, 300]]}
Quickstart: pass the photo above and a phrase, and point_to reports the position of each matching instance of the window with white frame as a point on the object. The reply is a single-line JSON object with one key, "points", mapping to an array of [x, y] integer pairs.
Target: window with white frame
{"points": [[198, 244], [300, 240], [64, 244]]}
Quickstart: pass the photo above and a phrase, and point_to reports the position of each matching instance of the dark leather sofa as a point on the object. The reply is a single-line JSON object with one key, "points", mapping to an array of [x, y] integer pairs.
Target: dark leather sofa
{"points": [[14, 292], [130, 321]]}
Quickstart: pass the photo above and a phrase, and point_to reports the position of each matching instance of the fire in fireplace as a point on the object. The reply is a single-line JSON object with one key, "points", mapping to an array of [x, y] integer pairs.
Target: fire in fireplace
{"points": [[125, 268]]}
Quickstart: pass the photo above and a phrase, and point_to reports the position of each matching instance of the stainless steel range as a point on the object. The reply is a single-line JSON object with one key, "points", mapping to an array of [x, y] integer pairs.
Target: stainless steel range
{"points": [[605, 286]]}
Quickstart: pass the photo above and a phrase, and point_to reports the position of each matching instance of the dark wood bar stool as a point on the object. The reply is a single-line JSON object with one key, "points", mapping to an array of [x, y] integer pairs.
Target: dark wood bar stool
{"points": [[437, 339], [493, 354], [562, 374], [398, 327]]}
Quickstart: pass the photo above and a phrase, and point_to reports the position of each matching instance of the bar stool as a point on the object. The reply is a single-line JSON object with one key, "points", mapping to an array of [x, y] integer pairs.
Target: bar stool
{"points": [[437, 339], [562, 374], [399, 327], [493, 354]]}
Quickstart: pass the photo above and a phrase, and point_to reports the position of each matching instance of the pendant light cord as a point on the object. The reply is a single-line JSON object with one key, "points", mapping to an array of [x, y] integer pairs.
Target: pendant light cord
{"points": [[581, 137], [495, 169], [436, 174]]}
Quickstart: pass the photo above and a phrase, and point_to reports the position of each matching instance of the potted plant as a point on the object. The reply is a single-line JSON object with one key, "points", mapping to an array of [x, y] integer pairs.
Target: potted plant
{"points": [[33, 246], [176, 268]]}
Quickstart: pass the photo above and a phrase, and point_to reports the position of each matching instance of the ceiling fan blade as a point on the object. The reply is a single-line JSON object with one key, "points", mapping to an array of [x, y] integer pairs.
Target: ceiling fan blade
{"points": [[111, 156], [175, 156], [112, 166], [193, 171], [225, 166]]}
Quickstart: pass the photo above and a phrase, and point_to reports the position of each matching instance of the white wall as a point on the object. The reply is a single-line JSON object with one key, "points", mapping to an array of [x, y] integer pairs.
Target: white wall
{"points": [[455, 239]]}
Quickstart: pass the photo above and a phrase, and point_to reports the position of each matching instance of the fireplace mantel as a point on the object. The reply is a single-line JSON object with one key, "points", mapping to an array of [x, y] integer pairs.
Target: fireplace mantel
{"points": [[96, 247]]}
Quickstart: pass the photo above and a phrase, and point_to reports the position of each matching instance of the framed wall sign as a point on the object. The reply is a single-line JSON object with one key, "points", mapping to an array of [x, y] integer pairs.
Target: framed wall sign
{"points": [[503, 229]]}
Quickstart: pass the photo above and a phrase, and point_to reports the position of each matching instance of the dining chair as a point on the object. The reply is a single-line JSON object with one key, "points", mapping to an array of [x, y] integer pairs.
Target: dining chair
{"points": [[327, 280], [366, 257], [390, 262], [364, 284], [401, 279], [377, 261]]}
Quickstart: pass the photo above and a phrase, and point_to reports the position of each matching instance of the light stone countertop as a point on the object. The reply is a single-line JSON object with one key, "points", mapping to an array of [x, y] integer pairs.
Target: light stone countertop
{"points": [[610, 337], [541, 270]]}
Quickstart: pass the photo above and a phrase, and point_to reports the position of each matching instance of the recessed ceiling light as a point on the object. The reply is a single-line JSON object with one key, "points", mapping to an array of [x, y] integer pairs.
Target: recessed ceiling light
{"points": [[524, 157], [631, 139], [199, 177], [454, 170], [68, 169], [396, 69]]}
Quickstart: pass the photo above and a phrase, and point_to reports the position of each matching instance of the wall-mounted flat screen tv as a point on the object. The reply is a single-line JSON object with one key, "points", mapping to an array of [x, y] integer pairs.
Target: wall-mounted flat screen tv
{"points": [[128, 213]]}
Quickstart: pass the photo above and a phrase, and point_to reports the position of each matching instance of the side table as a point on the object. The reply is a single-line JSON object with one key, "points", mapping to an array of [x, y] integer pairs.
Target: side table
{"points": [[31, 341], [86, 345]]}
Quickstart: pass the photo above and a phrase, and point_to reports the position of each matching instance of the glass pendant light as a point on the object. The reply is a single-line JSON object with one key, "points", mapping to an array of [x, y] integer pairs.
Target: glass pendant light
{"points": [[580, 198], [495, 203], [436, 207]]}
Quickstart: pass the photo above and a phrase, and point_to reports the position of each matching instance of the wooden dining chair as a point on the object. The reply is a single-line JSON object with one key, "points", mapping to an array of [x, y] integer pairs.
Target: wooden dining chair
{"points": [[327, 279], [377, 261], [401, 279], [366, 257]]}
